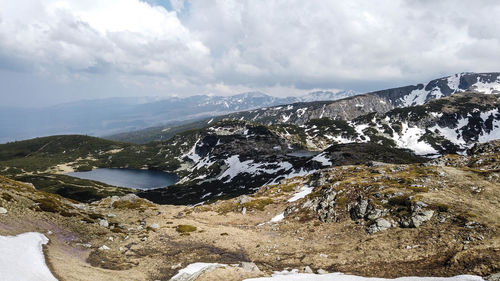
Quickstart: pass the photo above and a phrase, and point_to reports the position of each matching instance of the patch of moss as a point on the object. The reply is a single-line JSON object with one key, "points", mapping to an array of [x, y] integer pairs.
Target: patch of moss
{"points": [[418, 188], [52, 205], [138, 204], [185, 228], [257, 204], [441, 207]]}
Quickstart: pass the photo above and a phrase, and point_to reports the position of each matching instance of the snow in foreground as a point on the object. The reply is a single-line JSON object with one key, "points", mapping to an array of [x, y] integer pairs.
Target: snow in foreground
{"points": [[193, 270], [292, 276], [22, 258], [196, 269]]}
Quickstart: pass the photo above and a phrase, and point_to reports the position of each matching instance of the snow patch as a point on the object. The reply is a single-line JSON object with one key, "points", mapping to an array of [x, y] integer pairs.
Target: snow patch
{"points": [[286, 118], [409, 138], [235, 167], [304, 191], [321, 158], [22, 258], [278, 218], [415, 97], [195, 269], [294, 276]]}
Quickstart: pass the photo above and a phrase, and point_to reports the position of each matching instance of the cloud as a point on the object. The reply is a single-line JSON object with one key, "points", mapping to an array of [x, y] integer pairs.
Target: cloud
{"points": [[127, 36], [187, 47]]}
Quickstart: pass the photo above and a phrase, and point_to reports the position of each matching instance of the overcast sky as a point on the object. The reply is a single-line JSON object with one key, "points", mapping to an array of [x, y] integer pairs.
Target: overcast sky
{"points": [[62, 50]]}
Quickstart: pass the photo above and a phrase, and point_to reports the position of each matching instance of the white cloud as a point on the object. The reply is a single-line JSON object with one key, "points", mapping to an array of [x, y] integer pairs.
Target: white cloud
{"points": [[223, 46]]}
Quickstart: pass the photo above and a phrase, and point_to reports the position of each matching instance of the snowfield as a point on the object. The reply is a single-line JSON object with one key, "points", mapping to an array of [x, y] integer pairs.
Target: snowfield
{"points": [[196, 269], [292, 276], [22, 258]]}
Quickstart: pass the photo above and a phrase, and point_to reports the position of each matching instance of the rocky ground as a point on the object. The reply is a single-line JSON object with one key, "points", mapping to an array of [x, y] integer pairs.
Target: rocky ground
{"points": [[435, 219]]}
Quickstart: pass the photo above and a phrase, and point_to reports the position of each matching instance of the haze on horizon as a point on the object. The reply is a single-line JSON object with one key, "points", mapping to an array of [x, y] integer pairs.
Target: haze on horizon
{"points": [[54, 51]]}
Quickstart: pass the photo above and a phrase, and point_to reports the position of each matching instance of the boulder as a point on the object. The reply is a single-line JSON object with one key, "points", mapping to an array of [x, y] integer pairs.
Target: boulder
{"points": [[154, 226], [3, 210], [361, 209], [103, 223], [493, 277], [249, 267], [307, 269], [420, 217], [379, 225]]}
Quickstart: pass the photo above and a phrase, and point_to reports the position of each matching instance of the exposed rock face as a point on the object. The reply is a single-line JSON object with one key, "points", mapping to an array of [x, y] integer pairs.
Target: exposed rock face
{"points": [[379, 101]]}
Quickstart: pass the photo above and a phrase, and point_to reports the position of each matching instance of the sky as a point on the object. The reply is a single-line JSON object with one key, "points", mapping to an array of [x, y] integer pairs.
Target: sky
{"points": [[54, 51]]}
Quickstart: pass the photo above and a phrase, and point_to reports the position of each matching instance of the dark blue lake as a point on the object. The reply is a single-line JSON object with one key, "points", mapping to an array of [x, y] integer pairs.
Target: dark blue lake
{"points": [[138, 179]]}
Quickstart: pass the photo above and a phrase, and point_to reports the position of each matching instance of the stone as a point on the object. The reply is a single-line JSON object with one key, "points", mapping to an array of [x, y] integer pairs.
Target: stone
{"points": [[249, 267], [244, 210], [103, 223], [3, 210], [104, 248], [494, 277], [374, 214], [322, 271], [418, 218], [154, 226], [244, 199], [362, 208], [379, 225], [307, 269]]}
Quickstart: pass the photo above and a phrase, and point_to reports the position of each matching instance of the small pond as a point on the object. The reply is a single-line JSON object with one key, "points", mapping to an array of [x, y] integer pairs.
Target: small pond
{"points": [[138, 179]]}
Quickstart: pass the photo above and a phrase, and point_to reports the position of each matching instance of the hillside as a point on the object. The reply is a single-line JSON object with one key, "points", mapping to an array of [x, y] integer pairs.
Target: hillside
{"points": [[116, 115], [348, 108], [229, 158], [382, 220]]}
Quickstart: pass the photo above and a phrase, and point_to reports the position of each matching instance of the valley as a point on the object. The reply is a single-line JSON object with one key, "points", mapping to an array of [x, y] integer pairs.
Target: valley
{"points": [[394, 191]]}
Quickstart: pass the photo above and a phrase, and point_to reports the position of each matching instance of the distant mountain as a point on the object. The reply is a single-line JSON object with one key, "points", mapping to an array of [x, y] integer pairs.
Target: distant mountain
{"points": [[114, 115], [326, 96], [379, 101], [317, 105]]}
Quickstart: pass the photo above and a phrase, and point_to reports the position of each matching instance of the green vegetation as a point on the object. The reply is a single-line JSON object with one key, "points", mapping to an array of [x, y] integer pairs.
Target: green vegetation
{"points": [[185, 228], [74, 188]]}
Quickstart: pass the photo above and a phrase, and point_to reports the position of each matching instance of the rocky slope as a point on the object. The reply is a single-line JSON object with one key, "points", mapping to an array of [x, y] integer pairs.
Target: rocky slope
{"points": [[229, 158], [384, 220], [348, 108], [447, 125], [380, 101]]}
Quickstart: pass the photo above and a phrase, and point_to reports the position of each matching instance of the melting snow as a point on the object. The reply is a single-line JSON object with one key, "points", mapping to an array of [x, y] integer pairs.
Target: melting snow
{"points": [[321, 158], [195, 269], [301, 111], [487, 88], [452, 133], [454, 81], [415, 97], [304, 191], [192, 153], [235, 166], [286, 118], [294, 276], [278, 218], [22, 258], [409, 138]]}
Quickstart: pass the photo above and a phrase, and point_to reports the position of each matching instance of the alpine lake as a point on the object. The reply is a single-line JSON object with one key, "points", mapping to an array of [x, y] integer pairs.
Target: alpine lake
{"points": [[133, 178]]}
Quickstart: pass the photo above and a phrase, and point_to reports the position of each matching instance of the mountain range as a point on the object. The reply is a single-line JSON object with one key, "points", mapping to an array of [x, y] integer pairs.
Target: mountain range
{"points": [[114, 115], [400, 182]]}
